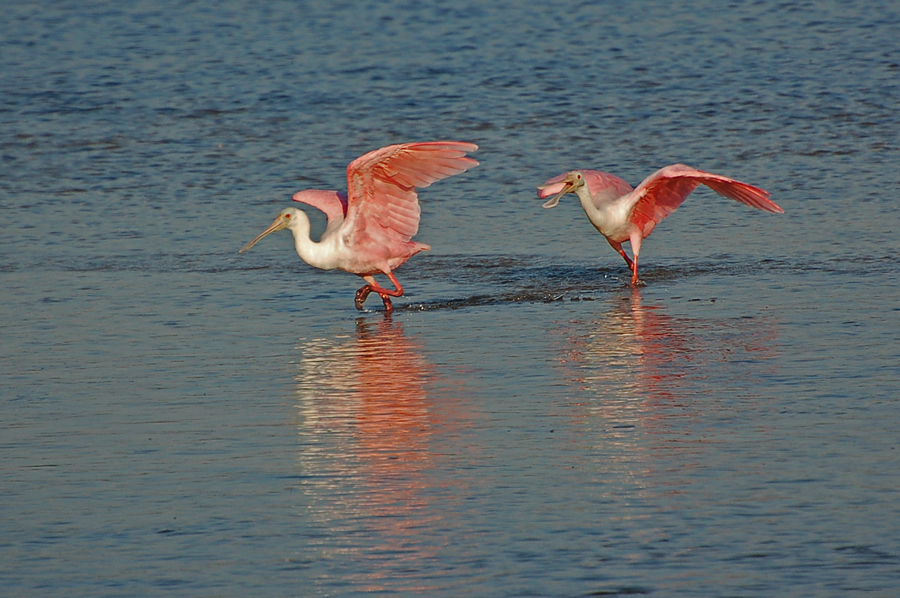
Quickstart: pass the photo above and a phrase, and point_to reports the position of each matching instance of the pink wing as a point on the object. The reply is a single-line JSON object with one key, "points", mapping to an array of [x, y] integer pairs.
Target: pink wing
{"points": [[383, 208], [333, 203], [662, 192], [604, 186]]}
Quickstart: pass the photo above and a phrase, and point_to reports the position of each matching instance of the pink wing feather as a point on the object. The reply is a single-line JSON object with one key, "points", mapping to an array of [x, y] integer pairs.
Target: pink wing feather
{"points": [[605, 186], [383, 207], [663, 191], [333, 203]]}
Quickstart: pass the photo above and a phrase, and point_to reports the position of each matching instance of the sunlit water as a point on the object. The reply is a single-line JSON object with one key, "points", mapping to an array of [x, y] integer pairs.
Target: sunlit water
{"points": [[176, 419]]}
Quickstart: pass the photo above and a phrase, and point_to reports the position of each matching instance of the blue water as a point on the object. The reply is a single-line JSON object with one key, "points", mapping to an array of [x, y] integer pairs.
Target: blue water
{"points": [[177, 419]]}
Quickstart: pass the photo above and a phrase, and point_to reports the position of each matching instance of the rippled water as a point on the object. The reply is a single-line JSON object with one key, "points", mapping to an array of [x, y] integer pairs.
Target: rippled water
{"points": [[176, 419]]}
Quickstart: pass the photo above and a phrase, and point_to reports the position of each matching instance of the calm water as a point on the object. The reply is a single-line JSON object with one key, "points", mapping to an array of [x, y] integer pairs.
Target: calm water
{"points": [[179, 420]]}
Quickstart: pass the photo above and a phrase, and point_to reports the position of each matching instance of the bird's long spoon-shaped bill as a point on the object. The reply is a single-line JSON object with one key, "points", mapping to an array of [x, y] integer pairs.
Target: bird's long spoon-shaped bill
{"points": [[280, 223], [567, 187]]}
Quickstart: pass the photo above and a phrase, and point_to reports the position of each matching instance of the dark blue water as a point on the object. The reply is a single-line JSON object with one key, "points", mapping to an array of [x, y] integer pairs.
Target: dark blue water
{"points": [[176, 419]]}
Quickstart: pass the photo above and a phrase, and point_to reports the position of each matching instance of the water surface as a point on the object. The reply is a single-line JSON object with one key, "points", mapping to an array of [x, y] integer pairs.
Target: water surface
{"points": [[181, 420]]}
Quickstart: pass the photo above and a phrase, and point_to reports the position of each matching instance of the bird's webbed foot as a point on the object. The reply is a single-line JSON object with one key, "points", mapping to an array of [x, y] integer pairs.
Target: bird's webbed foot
{"points": [[363, 293], [361, 296]]}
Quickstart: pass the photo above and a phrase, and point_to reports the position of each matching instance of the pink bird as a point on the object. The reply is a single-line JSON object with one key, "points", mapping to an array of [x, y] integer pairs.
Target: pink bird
{"points": [[369, 229], [622, 214]]}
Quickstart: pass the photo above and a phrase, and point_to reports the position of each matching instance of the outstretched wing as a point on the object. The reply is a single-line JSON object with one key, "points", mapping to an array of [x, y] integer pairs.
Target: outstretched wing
{"points": [[383, 208], [662, 192]]}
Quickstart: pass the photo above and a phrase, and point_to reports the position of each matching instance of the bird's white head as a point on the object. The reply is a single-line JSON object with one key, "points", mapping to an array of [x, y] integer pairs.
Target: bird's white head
{"points": [[568, 182], [288, 218]]}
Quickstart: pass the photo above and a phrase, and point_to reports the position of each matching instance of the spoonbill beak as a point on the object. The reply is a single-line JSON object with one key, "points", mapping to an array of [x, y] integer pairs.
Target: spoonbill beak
{"points": [[568, 182], [280, 223]]}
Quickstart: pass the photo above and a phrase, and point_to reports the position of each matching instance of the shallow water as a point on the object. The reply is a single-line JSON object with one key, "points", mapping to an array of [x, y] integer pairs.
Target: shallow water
{"points": [[177, 419]]}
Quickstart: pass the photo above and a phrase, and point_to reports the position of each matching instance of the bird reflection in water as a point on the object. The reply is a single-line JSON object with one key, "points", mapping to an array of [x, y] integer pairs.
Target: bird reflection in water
{"points": [[652, 376], [365, 422], [632, 352]]}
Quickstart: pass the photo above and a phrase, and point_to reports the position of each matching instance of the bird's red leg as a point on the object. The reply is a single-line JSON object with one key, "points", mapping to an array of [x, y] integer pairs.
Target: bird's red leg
{"points": [[635, 251], [618, 248], [634, 275], [384, 293]]}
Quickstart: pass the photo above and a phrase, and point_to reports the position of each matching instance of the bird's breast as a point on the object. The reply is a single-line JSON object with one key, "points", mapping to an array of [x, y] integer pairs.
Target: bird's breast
{"points": [[612, 220]]}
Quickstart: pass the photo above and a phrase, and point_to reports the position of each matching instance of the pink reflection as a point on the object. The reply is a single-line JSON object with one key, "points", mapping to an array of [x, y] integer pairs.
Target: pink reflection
{"points": [[663, 349], [654, 376], [631, 352], [393, 420], [366, 423]]}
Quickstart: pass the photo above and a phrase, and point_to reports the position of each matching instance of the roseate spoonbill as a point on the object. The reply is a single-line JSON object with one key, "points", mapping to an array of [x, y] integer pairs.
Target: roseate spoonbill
{"points": [[369, 228], [622, 214]]}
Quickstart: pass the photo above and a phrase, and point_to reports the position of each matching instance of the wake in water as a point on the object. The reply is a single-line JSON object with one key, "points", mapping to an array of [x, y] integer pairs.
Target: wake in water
{"points": [[534, 280]]}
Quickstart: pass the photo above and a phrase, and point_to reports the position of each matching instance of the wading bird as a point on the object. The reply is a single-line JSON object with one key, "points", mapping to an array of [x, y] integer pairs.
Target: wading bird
{"points": [[622, 214], [369, 228]]}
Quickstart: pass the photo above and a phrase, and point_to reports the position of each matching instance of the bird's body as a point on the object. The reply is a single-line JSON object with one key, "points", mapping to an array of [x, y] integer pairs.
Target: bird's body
{"points": [[621, 213], [369, 229]]}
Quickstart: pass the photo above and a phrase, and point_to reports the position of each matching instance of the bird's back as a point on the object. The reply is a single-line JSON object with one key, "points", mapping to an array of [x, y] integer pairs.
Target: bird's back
{"points": [[605, 187]]}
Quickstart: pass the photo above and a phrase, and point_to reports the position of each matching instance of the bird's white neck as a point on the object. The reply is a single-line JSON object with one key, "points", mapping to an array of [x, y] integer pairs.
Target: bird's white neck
{"points": [[612, 214], [587, 204], [315, 254]]}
